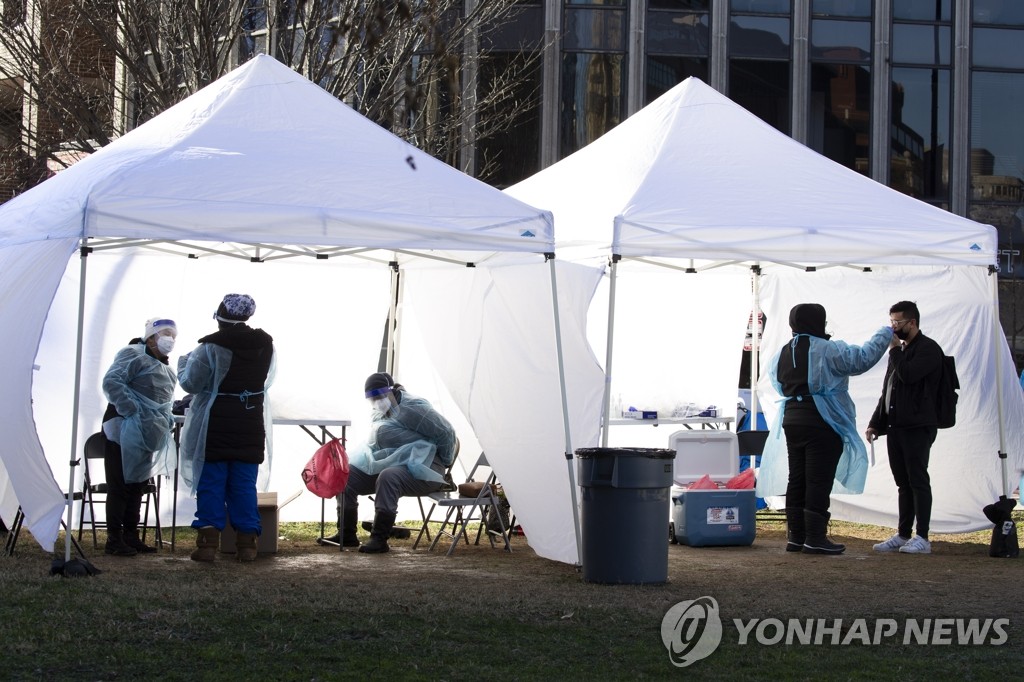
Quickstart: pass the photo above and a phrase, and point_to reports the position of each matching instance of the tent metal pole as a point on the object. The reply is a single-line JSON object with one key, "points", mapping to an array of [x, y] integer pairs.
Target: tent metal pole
{"points": [[755, 342], [70, 496], [392, 319], [998, 342], [606, 406], [565, 408]]}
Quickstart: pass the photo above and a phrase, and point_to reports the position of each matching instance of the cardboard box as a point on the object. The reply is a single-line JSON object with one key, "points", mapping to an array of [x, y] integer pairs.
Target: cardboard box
{"points": [[702, 518], [269, 511]]}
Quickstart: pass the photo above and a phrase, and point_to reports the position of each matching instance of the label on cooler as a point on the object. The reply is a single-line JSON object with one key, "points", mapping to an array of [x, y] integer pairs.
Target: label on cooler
{"points": [[723, 515]]}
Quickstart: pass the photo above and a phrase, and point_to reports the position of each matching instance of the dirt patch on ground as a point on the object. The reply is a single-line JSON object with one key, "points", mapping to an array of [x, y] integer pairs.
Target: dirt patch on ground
{"points": [[957, 580]]}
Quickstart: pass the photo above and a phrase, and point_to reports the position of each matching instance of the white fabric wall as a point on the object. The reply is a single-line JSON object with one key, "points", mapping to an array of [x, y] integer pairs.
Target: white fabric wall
{"points": [[29, 274], [326, 317], [490, 334], [957, 311], [678, 338]]}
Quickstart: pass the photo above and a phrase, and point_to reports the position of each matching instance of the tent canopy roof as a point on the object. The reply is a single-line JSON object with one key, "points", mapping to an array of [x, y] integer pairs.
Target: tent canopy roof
{"points": [[200, 171], [694, 175]]}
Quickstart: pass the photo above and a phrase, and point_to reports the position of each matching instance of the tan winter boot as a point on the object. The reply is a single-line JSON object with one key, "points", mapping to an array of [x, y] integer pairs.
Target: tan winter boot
{"points": [[245, 547], [207, 540]]}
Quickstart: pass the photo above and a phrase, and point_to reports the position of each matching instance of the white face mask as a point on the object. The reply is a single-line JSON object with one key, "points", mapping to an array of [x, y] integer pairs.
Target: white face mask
{"points": [[165, 344], [381, 405]]}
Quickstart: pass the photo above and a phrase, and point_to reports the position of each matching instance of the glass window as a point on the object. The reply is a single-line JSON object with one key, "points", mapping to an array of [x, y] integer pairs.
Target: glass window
{"points": [[664, 73], [595, 29], [922, 10], [920, 133], [593, 98], [677, 33], [997, 161], [1002, 12], [759, 37], [617, 3], [841, 8], [523, 30], [696, 5], [841, 40], [762, 88], [996, 47], [839, 120], [511, 153], [921, 44], [761, 6]]}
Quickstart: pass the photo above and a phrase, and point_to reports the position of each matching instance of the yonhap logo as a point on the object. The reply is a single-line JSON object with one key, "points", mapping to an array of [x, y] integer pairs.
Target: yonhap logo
{"points": [[691, 630]]}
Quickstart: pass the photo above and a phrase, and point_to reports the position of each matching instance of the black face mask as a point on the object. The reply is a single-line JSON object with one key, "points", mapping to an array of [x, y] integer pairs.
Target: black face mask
{"points": [[902, 334]]}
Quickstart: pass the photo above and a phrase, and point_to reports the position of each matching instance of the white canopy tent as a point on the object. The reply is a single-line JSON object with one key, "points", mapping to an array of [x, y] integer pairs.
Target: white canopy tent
{"points": [[695, 183], [266, 168]]}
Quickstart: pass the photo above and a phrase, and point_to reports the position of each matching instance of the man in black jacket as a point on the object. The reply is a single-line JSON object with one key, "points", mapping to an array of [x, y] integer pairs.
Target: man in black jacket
{"points": [[906, 415]]}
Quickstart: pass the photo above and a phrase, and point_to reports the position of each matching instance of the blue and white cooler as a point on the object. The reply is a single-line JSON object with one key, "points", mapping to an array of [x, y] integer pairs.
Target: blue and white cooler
{"points": [[709, 517]]}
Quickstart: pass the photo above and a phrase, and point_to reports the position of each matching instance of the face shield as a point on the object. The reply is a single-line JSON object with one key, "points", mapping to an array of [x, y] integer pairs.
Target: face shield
{"points": [[382, 400]]}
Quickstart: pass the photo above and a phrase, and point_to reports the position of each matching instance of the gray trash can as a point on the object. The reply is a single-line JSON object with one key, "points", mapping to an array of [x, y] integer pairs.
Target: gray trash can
{"points": [[625, 510]]}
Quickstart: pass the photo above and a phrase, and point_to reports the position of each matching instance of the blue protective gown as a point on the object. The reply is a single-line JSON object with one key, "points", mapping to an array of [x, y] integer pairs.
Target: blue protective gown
{"points": [[409, 435], [830, 364], [141, 389], [201, 373]]}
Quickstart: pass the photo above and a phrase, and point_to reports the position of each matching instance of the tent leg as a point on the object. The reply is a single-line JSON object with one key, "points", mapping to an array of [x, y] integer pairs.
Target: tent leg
{"points": [[998, 342], [755, 343], [70, 496], [565, 409], [606, 406]]}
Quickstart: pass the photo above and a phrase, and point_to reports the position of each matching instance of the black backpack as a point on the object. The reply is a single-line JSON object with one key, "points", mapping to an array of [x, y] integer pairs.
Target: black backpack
{"points": [[945, 401]]}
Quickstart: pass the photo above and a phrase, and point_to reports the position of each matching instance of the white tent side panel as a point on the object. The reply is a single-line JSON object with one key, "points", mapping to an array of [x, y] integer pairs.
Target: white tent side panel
{"points": [[29, 277], [957, 311], [492, 345]]}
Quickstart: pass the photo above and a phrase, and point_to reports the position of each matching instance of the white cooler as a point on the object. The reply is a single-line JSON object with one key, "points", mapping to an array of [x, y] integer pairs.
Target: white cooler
{"points": [[708, 520]]}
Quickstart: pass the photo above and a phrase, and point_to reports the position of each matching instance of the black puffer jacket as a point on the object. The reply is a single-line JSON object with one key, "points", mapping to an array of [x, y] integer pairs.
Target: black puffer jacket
{"points": [[915, 370], [236, 431]]}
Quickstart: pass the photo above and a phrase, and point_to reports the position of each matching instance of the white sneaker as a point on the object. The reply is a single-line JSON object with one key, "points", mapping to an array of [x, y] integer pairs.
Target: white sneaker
{"points": [[917, 545], [892, 544]]}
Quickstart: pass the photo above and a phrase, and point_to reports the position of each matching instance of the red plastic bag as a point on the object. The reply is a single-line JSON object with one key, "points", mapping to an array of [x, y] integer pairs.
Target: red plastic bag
{"points": [[742, 481], [326, 472], [703, 483]]}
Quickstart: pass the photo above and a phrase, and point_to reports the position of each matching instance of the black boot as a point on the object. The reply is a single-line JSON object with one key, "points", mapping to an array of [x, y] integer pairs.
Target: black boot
{"points": [[131, 538], [397, 532], [349, 538], [117, 546], [816, 535], [794, 529], [383, 522]]}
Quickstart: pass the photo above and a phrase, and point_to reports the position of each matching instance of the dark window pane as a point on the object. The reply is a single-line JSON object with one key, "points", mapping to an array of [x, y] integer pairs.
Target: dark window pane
{"points": [[841, 8], [761, 6], [664, 73], [997, 47], [759, 37], [521, 31], [920, 133], [696, 5], [997, 161], [762, 88], [1002, 12], [841, 40], [923, 10], [593, 98], [595, 29], [617, 3], [512, 153], [919, 44], [677, 33], [839, 118]]}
